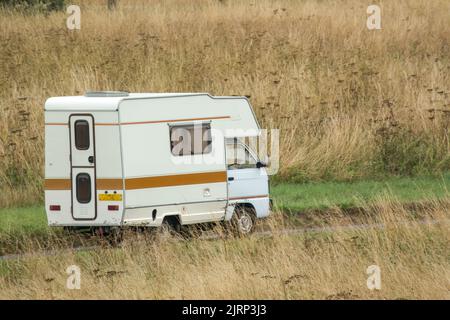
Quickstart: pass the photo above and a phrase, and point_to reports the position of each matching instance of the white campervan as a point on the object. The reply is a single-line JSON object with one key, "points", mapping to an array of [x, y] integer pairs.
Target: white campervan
{"points": [[116, 159]]}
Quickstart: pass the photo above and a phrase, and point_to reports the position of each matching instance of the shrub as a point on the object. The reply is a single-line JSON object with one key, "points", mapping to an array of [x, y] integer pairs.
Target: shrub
{"points": [[34, 5]]}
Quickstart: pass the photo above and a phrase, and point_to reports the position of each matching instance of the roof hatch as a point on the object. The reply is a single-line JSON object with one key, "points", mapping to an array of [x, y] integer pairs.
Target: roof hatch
{"points": [[106, 94]]}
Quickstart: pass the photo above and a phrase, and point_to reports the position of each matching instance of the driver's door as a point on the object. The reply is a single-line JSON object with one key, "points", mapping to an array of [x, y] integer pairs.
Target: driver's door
{"points": [[245, 179]]}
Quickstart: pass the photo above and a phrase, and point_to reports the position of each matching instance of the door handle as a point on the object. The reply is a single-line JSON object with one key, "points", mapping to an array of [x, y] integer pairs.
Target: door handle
{"points": [[91, 159], [230, 178]]}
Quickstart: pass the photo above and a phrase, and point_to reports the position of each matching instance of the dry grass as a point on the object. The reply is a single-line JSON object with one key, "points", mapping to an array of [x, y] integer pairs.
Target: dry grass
{"points": [[350, 102], [413, 257]]}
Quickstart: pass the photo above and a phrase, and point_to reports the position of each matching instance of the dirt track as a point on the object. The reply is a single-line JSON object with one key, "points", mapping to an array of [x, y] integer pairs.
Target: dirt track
{"points": [[314, 221]]}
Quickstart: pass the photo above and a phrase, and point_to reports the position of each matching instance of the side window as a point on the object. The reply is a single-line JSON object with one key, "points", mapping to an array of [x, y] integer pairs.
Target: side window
{"points": [[190, 139], [82, 140], [83, 184], [238, 157]]}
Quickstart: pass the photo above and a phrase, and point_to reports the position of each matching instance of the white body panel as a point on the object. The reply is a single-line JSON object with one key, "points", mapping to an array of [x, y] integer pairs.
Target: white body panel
{"points": [[188, 213], [250, 186], [64, 216]]}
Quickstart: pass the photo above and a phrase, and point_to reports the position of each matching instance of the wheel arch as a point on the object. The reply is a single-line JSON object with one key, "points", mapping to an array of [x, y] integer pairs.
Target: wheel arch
{"points": [[245, 205], [172, 219], [259, 206]]}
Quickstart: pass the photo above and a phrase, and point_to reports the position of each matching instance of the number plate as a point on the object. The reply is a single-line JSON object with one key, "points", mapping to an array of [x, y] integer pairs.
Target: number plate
{"points": [[110, 197]]}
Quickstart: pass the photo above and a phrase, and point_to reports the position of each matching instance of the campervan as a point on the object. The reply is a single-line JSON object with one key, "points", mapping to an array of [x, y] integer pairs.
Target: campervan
{"points": [[116, 159]]}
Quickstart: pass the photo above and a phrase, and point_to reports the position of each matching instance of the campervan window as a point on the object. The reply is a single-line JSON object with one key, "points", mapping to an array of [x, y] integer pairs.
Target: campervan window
{"points": [[238, 157], [83, 188], [81, 134], [190, 139]]}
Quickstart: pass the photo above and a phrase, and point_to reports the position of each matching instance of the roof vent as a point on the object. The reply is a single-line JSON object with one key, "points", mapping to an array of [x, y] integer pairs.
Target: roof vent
{"points": [[106, 94]]}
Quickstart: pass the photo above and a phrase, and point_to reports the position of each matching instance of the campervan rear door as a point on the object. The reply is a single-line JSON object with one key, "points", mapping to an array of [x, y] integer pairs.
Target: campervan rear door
{"points": [[82, 158]]}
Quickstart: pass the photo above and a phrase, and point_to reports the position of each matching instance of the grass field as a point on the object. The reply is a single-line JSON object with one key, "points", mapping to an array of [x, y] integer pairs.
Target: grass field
{"points": [[322, 195], [413, 258]]}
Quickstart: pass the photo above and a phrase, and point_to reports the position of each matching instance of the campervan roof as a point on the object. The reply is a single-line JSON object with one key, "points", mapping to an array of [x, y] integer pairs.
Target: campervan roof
{"points": [[103, 101]]}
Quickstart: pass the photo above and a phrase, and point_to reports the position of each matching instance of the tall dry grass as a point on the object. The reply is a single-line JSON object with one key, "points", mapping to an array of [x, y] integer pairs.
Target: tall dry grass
{"points": [[413, 257], [350, 103]]}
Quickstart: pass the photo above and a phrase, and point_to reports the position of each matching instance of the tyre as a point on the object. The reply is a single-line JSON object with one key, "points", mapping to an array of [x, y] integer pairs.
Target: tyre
{"points": [[243, 221]]}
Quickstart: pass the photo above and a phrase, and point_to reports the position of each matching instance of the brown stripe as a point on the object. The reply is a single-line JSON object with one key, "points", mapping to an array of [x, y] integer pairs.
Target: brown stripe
{"points": [[57, 184], [142, 183], [109, 184], [250, 197], [176, 120], [65, 184], [144, 122], [175, 180]]}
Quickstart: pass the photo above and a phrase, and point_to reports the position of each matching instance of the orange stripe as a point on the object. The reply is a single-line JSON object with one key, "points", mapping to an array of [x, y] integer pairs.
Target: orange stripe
{"points": [[175, 180], [109, 184], [250, 197], [143, 183], [144, 122], [57, 184], [176, 120]]}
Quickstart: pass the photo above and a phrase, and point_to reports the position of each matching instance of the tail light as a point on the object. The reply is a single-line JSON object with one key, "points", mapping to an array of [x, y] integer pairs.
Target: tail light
{"points": [[54, 207], [113, 208]]}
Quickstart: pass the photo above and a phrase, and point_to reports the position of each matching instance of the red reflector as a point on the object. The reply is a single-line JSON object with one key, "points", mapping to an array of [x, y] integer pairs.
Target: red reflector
{"points": [[55, 207], [113, 208]]}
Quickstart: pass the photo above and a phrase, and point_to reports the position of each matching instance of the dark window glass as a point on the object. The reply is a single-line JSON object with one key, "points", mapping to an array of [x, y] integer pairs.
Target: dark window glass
{"points": [[82, 134], [190, 139], [83, 188]]}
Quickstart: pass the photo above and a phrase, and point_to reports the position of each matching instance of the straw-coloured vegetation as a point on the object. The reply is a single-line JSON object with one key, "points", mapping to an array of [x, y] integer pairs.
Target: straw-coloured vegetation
{"points": [[350, 103], [412, 253]]}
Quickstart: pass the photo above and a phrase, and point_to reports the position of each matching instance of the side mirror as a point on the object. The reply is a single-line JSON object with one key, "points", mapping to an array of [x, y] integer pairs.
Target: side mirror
{"points": [[260, 164]]}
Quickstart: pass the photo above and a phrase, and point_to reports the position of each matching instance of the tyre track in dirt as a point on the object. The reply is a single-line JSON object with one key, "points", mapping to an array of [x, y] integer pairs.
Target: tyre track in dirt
{"points": [[261, 233]]}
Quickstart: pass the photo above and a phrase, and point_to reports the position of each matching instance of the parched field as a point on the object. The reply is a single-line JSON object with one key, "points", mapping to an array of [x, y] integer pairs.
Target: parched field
{"points": [[413, 258], [364, 140]]}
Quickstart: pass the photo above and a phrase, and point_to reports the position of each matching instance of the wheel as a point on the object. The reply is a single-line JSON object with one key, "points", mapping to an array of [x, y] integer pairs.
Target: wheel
{"points": [[243, 221]]}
